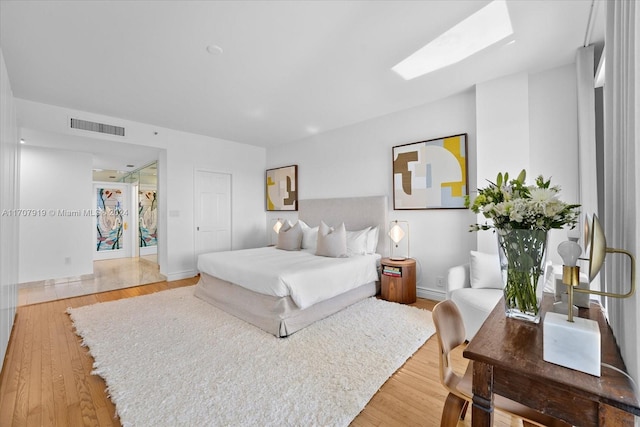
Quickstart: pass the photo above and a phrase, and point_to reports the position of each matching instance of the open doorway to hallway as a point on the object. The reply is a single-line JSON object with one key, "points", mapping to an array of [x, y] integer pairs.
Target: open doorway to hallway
{"points": [[127, 213]]}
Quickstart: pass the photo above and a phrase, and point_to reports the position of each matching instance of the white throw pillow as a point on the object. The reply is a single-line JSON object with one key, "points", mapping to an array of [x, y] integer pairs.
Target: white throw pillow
{"points": [[332, 242], [309, 236], [372, 240], [357, 242], [484, 270], [289, 237]]}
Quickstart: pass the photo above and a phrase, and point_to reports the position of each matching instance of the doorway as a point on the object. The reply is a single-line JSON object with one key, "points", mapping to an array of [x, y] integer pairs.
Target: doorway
{"points": [[212, 212], [131, 230]]}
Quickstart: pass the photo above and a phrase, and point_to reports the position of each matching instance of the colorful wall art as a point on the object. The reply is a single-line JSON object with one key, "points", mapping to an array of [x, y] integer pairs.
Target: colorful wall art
{"points": [[282, 188], [147, 218], [109, 219], [431, 174]]}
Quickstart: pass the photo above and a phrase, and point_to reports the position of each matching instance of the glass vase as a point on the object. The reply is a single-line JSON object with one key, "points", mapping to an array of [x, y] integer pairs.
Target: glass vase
{"points": [[522, 262]]}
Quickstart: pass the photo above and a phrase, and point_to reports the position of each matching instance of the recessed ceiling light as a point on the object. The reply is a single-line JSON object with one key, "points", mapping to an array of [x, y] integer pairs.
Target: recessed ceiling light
{"points": [[214, 49], [22, 141], [487, 26], [131, 166]]}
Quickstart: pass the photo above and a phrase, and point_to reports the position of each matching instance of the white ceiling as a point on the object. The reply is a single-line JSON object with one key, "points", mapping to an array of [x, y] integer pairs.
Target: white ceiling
{"points": [[289, 68]]}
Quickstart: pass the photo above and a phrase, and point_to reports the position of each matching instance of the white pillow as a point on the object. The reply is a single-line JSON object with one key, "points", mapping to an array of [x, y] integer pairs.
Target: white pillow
{"points": [[357, 242], [309, 236], [484, 270], [289, 237], [332, 242], [372, 240]]}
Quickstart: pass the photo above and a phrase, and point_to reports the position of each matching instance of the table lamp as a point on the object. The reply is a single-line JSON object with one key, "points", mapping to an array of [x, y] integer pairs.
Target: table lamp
{"points": [[399, 235], [277, 225], [574, 342]]}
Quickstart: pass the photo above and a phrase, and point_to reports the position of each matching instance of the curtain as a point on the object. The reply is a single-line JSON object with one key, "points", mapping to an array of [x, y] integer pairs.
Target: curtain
{"points": [[621, 175]]}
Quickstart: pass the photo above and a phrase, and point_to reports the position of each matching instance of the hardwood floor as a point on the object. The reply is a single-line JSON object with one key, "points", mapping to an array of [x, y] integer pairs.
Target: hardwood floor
{"points": [[46, 379]]}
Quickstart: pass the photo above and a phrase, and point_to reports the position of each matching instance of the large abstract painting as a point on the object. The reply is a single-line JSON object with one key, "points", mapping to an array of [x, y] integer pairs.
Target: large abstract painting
{"points": [[431, 174], [109, 219], [147, 218], [282, 188]]}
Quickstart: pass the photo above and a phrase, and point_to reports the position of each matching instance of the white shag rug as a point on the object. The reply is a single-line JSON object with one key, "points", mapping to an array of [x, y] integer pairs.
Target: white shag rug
{"points": [[171, 359]]}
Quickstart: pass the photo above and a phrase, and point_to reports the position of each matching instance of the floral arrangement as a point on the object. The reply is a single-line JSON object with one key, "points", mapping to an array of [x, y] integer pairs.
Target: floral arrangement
{"points": [[514, 205], [522, 215]]}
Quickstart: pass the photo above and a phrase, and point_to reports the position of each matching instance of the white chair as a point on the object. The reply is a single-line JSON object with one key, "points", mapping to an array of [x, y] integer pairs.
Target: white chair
{"points": [[475, 288]]}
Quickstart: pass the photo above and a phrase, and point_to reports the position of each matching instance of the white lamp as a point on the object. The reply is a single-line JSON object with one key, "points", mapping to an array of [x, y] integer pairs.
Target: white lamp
{"points": [[568, 341], [399, 235], [575, 342], [275, 229]]}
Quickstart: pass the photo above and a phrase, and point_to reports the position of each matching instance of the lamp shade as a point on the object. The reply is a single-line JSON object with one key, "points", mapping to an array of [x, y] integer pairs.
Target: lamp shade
{"points": [[396, 233], [399, 235], [597, 247]]}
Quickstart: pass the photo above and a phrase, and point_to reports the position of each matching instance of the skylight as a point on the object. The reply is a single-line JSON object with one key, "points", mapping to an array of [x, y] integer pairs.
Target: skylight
{"points": [[487, 26]]}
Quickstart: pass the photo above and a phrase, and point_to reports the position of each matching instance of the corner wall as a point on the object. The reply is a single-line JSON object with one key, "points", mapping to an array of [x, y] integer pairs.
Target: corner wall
{"points": [[9, 175], [529, 121], [54, 244]]}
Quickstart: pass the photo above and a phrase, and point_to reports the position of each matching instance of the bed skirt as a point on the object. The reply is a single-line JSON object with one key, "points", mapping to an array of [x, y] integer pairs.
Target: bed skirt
{"points": [[277, 315]]}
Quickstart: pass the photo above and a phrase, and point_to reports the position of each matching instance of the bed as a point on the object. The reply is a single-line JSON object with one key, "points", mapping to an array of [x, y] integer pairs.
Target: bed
{"points": [[282, 313]]}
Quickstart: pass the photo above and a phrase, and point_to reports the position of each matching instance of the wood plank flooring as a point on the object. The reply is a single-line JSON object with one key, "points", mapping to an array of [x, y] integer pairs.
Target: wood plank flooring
{"points": [[46, 379]]}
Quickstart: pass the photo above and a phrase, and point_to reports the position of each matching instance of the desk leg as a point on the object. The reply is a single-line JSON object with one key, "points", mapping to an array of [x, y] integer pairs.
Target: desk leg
{"points": [[482, 410]]}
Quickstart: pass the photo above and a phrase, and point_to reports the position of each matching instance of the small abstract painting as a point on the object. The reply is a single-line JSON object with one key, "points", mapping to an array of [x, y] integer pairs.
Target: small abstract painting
{"points": [[431, 174], [282, 188]]}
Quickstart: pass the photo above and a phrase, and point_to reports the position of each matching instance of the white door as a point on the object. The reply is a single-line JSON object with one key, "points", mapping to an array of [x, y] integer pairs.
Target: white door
{"points": [[113, 237], [212, 212]]}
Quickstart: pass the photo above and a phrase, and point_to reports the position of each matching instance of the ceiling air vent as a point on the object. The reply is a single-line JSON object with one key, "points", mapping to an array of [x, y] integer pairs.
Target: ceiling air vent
{"points": [[97, 127]]}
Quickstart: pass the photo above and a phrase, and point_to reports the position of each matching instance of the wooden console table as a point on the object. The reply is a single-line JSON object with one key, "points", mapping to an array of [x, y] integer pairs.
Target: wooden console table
{"points": [[507, 359]]}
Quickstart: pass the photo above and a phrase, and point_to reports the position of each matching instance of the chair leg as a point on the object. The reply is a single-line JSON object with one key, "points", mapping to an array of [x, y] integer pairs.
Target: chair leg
{"points": [[464, 410], [454, 408]]}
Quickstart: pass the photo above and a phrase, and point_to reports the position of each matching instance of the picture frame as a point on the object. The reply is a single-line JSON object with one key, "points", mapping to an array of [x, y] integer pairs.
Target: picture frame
{"points": [[281, 188], [431, 174]]}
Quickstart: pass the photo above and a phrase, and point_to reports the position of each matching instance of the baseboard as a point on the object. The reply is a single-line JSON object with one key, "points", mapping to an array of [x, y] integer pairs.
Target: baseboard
{"points": [[181, 275], [431, 294]]}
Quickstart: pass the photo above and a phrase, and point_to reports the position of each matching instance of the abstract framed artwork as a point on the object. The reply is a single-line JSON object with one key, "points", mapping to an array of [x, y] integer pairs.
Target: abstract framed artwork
{"points": [[431, 174], [282, 188]]}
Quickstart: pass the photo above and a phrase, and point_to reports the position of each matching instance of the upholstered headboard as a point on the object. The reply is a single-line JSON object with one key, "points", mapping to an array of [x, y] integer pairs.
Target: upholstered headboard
{"points": [[356, 213]]}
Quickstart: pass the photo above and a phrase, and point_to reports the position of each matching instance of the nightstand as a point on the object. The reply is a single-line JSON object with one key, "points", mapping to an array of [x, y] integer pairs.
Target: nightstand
{"points": [[398, 280]]}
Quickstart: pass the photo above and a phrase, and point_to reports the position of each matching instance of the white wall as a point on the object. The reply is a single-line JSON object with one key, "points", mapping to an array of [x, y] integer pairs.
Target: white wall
{"points": [[553, 138], [356, 161], [502, 122], [9, 175], [54, 243], [180, 154]]}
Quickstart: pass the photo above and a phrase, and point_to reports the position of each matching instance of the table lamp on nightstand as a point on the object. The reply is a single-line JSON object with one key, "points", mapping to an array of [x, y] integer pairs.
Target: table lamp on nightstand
{"points": [[574, 342], [399, 235]]}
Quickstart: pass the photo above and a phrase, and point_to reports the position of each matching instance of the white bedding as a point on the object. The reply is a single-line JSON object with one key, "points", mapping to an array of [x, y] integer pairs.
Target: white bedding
{"points": [[302, 275]]}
